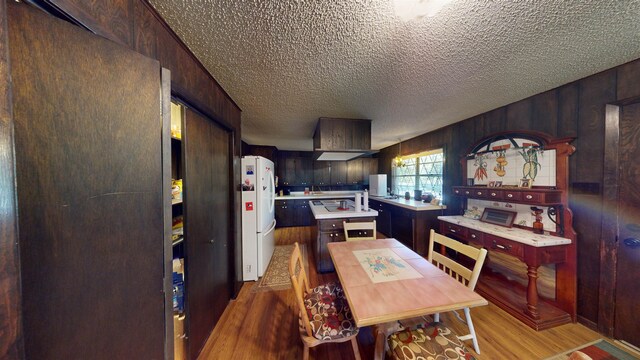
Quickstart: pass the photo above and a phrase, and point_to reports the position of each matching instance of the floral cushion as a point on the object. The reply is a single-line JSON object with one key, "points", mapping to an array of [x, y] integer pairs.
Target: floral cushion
{"points": [[433, 341], [329, 313]]}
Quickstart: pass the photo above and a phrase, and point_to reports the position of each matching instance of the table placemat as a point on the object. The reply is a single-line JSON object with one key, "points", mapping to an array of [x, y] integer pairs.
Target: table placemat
{"points": [[384, 265]]}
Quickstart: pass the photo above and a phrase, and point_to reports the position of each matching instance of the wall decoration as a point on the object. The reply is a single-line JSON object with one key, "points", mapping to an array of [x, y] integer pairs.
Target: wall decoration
{"points": [[525, 183], [481, 171], [501, 163], [531, 164]]}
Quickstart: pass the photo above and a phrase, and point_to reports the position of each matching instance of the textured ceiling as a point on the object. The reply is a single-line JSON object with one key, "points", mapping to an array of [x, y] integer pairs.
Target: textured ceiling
{"points": [[286, 63]]}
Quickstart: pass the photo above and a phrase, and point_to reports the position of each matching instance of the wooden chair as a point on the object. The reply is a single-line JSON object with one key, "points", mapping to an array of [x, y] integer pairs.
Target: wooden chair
{"points": [[415, 330], [458, 272], [363, 228], [332, 321]]}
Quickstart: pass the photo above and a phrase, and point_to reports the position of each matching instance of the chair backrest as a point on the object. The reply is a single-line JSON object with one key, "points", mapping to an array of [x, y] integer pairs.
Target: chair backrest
{"points": [[457, 271], [362, 229], [300, 284]]}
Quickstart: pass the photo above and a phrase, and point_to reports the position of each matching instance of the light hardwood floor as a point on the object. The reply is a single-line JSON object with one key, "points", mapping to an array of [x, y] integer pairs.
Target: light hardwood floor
{"points": [[265, 326]]}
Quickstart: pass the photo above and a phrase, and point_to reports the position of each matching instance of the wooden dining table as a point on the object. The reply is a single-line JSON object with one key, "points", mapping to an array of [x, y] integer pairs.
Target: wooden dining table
{"points": [[385, 281]]}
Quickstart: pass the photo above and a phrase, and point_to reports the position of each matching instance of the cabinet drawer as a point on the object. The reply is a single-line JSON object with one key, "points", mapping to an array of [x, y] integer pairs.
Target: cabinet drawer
{"points": [[329, 225], [504, 246], [495, 194], [475, 236], [450, 228], [534, 197], [510, 195], [478, 193]]}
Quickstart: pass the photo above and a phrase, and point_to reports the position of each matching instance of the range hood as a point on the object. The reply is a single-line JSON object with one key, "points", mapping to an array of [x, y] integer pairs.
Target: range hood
{"points": [[337, 139]]}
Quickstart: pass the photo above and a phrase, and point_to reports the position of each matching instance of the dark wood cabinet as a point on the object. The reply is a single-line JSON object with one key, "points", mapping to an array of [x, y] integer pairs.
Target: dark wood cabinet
{"points": [[383, 221], [284, 213], [292, 213], [403, 225], [338, 172], [369, 167], [321, 173], [304, 170], [294, 168], [358, 170], [302, 213], [410, 227], [269, 152], [324, 232], [541, 197], [354, 172]]}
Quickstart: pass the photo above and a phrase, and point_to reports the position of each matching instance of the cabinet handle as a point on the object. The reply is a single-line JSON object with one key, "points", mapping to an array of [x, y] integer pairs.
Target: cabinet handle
{"points": [[529, 197], [452, 230], [211, 241], [334, 225], [466, 192], [501, 247], [473, 236], [479, 192], [493, 194], [509, 195]]}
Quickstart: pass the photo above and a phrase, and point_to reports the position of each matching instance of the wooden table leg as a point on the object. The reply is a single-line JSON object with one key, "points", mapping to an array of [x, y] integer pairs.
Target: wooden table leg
{"points": [[532, 292]]}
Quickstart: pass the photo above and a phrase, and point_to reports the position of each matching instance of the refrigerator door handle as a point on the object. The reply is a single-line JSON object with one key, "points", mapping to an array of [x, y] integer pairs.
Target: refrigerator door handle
{"points": [[272, 227], [273, 192]]}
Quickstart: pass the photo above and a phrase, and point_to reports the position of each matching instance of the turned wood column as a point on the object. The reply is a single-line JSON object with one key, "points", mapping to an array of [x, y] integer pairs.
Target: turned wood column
{"points": [[532, 292]]}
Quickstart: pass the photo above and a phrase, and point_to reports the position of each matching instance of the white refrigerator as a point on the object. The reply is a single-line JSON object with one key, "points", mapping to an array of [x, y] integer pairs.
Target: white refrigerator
{"points": [[258, 215]]}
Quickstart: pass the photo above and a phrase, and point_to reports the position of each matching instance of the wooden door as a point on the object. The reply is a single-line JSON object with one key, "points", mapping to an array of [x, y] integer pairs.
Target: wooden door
{"points": [[338, 172], [321, 173], [90, 199], [207, 205], [627, 326], [354, 172]]}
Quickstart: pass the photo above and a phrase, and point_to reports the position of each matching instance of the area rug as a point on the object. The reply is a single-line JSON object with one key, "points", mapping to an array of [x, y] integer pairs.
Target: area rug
{"points": [[276, 277], [598, 350]]}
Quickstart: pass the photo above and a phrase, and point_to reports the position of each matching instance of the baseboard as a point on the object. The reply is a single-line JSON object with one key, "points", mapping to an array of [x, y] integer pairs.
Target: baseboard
{"points": [[588, 323]]}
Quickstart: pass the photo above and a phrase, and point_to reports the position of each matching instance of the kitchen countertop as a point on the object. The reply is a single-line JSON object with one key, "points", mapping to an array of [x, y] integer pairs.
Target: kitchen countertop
{"points": [[320, 212], [516, 234], [411, 204], [318, 195]]}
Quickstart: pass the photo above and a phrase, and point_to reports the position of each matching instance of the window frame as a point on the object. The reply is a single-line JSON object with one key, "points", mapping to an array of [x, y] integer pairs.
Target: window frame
{"points": [[417, 175]]}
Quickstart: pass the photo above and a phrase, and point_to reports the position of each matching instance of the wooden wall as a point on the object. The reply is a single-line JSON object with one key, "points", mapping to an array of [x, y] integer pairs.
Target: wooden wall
{"points": [[136, 25], [10, 300], [575, 109]]}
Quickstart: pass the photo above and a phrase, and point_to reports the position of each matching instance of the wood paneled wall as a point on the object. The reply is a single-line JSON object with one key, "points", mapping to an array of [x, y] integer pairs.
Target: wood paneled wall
{"points": [[575, 109], [135, 24], [10, 300]]}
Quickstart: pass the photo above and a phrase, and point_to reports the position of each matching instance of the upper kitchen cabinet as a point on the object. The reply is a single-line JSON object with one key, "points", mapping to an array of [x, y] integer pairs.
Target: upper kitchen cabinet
{"points": [[358, 170], [321, 173], [269, 152], [294, 168], [338, 172], [354, 172]]}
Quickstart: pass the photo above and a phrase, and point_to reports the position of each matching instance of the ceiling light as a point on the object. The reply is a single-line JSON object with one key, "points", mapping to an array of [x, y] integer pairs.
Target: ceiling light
{"points": [[415, 9], [398, 161]]}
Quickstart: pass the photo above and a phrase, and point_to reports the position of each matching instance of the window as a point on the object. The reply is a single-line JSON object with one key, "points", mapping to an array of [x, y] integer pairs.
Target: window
{"points": [[421, 172]]}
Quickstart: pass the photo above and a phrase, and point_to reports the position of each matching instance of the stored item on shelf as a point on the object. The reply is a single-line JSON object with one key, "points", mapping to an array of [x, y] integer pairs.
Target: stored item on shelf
{"points": [[177, 228], [178, 292], [176, 189]]}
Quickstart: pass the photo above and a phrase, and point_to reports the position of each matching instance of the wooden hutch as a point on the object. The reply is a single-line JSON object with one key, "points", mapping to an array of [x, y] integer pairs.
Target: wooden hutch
{"points": [[556, 247]]}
